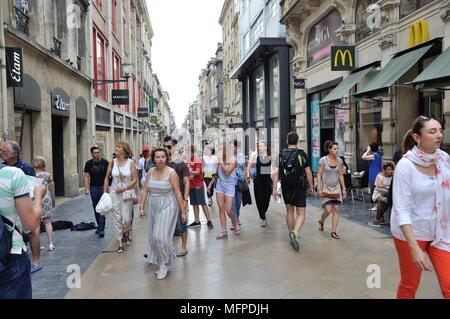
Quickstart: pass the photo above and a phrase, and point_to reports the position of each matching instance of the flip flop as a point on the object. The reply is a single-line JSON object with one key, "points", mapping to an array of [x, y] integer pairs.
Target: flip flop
{"points": [[182, 253], [321, 226]]}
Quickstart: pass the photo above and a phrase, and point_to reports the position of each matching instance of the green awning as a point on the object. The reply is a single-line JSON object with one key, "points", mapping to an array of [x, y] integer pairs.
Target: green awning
{"points": [[437, 74], [343, 87], [399, 65]]}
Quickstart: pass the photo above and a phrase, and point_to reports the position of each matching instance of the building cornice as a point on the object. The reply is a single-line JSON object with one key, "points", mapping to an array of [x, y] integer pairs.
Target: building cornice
{"points": [[45, 52], [224, 10]]}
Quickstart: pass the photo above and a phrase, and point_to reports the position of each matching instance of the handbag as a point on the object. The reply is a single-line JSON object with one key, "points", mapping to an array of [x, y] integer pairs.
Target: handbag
{"points": [[242, 186], [331, 192], [129, 194]]}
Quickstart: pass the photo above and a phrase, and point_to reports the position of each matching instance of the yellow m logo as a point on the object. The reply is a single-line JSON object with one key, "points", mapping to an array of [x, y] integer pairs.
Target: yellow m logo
{"points": [[418, 33], [343, 55]]}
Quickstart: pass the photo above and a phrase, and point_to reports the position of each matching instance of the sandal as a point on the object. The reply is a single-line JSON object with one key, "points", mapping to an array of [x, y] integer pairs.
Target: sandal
{"points": [[321, 225], [232, 227], [237, 230], [120, 250], [222, 235], [182, 253], [335, 236]]}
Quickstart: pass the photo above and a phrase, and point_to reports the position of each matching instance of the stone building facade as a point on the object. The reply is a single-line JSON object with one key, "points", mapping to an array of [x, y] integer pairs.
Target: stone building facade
{"points": [[395, 41]]}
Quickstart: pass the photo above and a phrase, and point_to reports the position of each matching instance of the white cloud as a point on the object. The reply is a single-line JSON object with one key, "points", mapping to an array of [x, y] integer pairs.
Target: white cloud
{"points": [[186, 33]]}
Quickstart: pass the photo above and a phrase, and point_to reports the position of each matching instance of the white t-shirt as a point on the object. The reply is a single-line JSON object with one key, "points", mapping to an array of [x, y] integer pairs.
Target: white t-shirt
{"points": [[210, 164], [414, 199]]}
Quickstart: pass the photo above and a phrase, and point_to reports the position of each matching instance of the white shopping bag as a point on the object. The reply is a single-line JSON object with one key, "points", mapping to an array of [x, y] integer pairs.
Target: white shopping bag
{"points": [[105, 204]]}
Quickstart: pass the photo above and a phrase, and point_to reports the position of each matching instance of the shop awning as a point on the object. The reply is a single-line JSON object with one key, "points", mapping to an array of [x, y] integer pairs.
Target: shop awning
{"points": [[343, 87], [399, 65], [436, 75]]}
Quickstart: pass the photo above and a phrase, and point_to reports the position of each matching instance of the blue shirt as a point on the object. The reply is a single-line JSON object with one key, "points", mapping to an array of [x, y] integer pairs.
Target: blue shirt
{"points": [[25, 167], [375, 167], [240, 168]]}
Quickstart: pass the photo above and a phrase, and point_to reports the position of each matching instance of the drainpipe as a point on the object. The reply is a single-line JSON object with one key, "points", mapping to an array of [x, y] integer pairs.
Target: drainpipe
{"points": [[3, 89]]}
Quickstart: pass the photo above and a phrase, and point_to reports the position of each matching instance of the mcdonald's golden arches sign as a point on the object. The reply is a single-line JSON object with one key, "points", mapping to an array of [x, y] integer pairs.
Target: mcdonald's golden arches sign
{"points": [[418, 33], [343, 58]]}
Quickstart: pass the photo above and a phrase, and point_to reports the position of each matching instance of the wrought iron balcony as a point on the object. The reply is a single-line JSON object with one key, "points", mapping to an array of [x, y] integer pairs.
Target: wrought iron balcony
{"points": [[22, 21], [56, 47]]}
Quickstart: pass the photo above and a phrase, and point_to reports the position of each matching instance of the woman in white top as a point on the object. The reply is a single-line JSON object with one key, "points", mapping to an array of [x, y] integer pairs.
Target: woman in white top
{"points": [[209, 171], [421, 208], [380, 193], [124, 178]]}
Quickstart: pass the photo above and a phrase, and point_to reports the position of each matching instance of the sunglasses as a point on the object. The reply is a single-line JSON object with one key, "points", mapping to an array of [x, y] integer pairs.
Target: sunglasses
{"points": [[169, 147]]}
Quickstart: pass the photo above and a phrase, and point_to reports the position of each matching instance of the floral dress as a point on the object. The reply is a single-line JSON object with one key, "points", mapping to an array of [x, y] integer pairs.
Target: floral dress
{"points": [[47, 203]]}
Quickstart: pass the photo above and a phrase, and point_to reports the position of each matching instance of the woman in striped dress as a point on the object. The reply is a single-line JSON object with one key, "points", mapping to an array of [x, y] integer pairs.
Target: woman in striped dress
{"points": [[163, 189]]}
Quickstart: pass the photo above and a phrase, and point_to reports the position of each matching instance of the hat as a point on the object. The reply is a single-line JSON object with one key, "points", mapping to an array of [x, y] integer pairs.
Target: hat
{"points": [[146, 148]]}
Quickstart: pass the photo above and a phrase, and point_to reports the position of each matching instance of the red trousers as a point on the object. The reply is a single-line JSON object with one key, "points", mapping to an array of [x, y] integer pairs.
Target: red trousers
{"points": [[410, 274]]}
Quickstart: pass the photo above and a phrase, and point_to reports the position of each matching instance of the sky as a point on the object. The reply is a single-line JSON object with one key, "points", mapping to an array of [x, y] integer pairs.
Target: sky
{"points": [[186, 33]]}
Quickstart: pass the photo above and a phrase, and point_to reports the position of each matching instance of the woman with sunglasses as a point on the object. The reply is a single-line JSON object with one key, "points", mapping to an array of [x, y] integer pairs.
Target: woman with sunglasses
{"points": [[421, 208]]}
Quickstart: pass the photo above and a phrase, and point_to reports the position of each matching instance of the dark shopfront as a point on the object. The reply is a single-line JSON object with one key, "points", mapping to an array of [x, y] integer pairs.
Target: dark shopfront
{"points": [[60, 117], [322, 122], [266, 92]]}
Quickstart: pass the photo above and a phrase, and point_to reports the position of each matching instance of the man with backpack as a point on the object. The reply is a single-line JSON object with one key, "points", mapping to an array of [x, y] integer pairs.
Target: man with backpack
{"points": [[294, 172], [17, 212]]}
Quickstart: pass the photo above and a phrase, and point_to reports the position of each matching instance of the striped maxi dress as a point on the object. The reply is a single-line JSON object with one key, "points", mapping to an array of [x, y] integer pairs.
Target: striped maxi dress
{"points": [[162, 220]]}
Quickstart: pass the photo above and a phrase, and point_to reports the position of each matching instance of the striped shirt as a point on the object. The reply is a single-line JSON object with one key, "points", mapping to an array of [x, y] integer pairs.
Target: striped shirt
{"points": [[13, 185]]}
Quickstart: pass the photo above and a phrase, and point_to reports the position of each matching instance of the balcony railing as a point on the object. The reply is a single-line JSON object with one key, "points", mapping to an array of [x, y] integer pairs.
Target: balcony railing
{"points": [[56, 47], [22, 21]]}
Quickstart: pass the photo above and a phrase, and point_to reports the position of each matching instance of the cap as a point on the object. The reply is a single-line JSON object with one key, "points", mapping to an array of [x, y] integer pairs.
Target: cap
{"points": [[146, 148]]}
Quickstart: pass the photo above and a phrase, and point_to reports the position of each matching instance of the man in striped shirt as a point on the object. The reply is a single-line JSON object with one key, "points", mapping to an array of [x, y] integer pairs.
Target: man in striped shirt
{"points": [[16, 208]]}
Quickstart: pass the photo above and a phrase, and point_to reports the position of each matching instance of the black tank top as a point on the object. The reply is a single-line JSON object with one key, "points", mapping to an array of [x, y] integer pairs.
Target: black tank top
{"points": [[267, 162]]}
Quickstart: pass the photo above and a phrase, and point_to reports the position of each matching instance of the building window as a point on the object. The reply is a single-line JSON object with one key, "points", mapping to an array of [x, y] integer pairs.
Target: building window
{"points": [[367, 21], [116, 70], [257, 30], [274, 77], [124, 34], [272, 10], [113, 15], [259, 93], [292, 111], [99, 65], [409, 6], [134, 95]]}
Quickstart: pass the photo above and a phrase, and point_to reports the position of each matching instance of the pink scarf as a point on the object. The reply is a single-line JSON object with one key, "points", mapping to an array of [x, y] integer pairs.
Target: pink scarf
{"points": [[442, 207]]}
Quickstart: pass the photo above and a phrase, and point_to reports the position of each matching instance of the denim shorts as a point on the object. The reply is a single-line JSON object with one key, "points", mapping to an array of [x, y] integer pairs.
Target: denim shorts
{"points": [[197, 196], [15, 281]]}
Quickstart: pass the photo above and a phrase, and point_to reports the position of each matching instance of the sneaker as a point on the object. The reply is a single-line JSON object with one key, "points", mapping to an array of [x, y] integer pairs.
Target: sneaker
{"points": [[210, 225], [374, 223], [51, 247], [97, 231], [294, 242], [101, 234], [162, 272], [35, 267], [194, 224]]}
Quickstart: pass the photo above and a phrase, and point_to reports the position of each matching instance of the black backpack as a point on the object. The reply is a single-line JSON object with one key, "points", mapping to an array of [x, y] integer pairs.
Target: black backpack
{"points": [[292, 170]]}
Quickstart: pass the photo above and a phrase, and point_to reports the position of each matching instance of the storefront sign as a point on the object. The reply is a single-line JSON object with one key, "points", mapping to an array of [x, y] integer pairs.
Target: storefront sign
{"points": [[342, 58], [142, 112], [299, 83], [120, 97], [322, 36], [14, 67], [60, 102], [315, 135], [118, 119], [418, 33]]}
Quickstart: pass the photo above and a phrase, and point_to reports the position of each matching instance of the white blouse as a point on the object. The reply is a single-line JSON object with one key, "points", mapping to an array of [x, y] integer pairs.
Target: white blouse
{"points": [[210, 163], [414, 199]]}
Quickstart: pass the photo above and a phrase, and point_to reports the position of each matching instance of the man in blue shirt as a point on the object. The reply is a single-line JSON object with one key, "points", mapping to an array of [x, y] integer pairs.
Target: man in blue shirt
{"points": [[10, 156]]}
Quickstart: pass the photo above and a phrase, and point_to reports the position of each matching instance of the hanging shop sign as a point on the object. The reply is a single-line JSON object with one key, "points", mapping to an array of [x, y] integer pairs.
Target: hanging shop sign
{"points": [[418, 33], [14, 67], [299, 83], [342, 58], [143, 112], [120, 97]]}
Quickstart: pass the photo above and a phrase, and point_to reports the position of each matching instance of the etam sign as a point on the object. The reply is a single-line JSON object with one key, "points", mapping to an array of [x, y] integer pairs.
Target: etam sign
{"points": [[14, 67]]}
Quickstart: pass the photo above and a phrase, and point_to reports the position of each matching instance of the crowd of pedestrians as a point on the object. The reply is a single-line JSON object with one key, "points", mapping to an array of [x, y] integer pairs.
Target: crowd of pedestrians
{"points": [[167, 180]]}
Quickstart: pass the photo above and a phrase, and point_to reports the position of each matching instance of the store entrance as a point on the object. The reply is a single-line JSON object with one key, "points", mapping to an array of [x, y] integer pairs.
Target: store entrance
{"points": [[58, 154]]}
